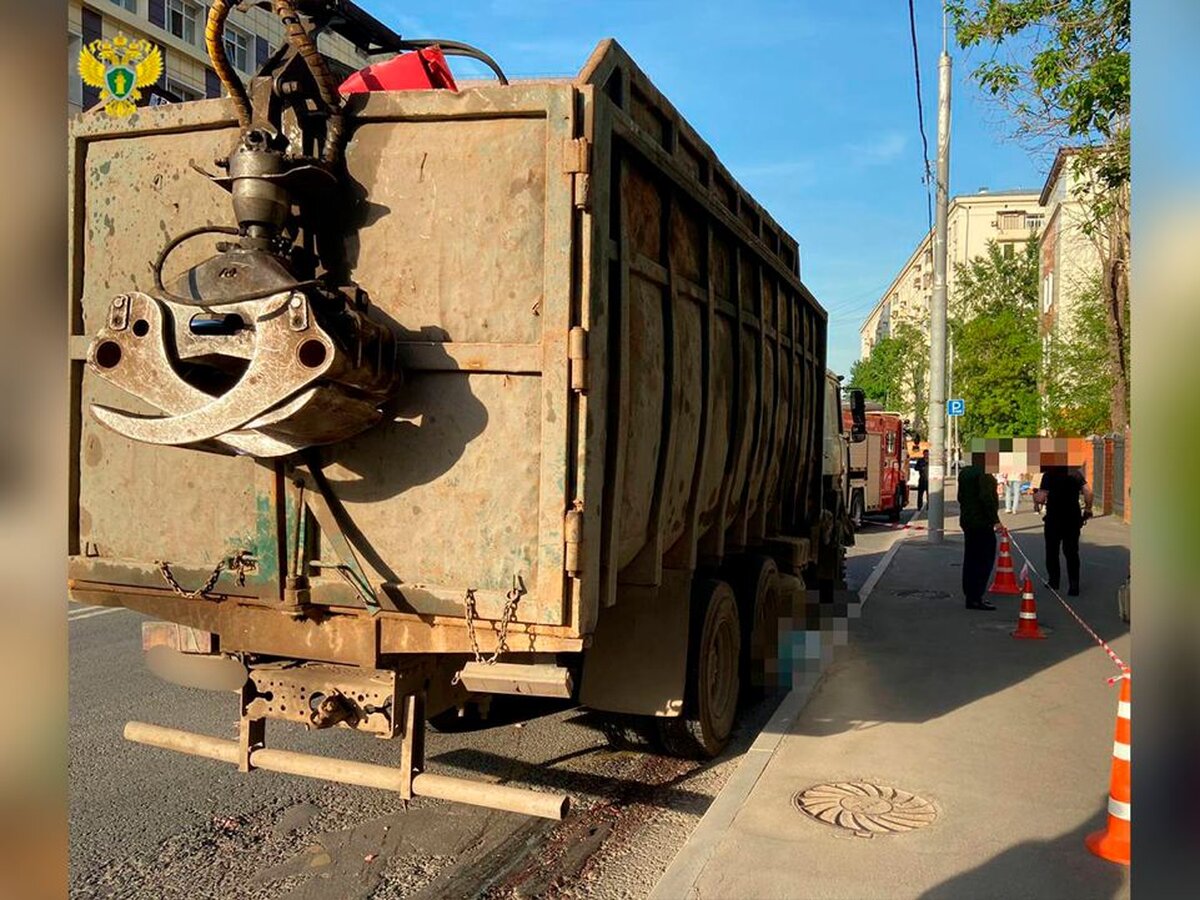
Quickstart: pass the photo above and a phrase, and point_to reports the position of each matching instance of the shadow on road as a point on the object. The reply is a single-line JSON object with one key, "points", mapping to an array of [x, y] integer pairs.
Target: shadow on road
{"points": [[916, 614], [1059, 867]]}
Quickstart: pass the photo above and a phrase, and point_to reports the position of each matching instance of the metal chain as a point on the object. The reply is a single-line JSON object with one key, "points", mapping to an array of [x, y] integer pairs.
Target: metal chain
{"points": [[240, 564], [507, 616]]}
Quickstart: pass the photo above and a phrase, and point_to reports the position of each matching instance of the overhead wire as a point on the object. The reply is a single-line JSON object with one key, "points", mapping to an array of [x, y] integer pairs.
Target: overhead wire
{"points": [[928, 177]]}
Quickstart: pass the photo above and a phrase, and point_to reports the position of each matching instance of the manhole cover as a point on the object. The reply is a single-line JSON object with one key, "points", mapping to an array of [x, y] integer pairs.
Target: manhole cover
{"points": [[865, 809]]}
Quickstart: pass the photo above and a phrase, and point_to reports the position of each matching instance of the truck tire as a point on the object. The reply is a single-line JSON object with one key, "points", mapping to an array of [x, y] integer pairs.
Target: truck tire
{"points": [[759, 610], [857, 510], [711, 695]]}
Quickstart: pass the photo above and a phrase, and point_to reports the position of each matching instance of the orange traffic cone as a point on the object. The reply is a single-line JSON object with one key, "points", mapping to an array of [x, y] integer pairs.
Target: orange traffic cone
{"points": [[1005, 581], [1027, 623], [1112, 841]]}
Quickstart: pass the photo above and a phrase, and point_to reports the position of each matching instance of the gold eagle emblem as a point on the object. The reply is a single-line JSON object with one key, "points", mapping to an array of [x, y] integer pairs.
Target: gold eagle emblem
{"points": [[119, 69]]}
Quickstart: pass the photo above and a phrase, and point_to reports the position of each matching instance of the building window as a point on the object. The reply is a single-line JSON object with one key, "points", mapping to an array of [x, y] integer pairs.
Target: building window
{"points": [[1047, 292], [1035, 222], [182, 90], [130, 5], [181, 19], [237, 46], [1011, 221]]}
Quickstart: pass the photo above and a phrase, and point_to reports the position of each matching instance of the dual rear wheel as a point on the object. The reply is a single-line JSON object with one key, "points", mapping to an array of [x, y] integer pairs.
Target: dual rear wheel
{"points": [[732, 653]]}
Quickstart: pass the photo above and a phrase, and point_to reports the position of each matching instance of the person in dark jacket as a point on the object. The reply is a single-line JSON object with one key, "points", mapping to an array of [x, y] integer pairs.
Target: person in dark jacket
{"points": [[978, 516], [1060, 490], [922, 467]]}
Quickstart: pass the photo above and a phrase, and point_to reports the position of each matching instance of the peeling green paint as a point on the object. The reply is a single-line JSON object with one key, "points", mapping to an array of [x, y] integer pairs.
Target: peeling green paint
{"points": [[261, 543]]}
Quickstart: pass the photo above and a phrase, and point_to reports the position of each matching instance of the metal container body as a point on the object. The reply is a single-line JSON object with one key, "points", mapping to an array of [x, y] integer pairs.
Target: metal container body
{"points": [[611, 368]]}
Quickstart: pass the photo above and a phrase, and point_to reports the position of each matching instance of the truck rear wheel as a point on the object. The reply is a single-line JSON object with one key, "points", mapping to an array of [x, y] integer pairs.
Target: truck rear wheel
{"points": [[759, 608], [711, 695]]}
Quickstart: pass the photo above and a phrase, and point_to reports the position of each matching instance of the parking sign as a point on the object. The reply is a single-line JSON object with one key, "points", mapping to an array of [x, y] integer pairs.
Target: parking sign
{"points": [[956, 407]]}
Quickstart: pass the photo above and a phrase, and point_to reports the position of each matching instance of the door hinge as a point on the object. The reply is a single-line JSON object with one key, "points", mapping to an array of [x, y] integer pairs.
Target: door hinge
{"points": [[577, 352], [577, 155], [573, 536], [577, 161]]}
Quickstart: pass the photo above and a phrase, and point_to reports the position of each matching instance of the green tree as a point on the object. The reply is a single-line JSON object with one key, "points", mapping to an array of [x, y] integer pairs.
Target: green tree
{"points": [[1076, 378], [879, 374], [896, 372], [1060, 68], [997, 353], [914, 373]]}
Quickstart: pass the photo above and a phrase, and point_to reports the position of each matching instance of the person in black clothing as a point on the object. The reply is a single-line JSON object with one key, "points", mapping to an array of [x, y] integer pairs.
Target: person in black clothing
{"points": [[922, 467], [978, 516], [1060, 490]]}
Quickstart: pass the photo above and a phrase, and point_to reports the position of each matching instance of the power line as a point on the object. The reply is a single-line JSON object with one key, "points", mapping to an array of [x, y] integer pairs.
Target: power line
{"points": [[912, 27]]}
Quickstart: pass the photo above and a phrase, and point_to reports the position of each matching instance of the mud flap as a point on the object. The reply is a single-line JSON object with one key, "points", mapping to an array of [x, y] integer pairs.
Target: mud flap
{"points": [[638, 658]]}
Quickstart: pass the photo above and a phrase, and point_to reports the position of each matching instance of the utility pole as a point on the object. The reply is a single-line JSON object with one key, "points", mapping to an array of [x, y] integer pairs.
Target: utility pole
{"points": [[951, 421], [937, 310]]}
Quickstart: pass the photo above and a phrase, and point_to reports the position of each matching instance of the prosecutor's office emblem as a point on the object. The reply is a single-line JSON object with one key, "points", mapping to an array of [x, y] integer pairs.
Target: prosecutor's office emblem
{"points": [[119, 69]]}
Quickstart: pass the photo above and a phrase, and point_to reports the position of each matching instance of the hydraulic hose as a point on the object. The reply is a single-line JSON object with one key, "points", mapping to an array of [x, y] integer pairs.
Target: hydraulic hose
{"points": [[301, 41], [457, 48], [164, 294], [214, 42]]}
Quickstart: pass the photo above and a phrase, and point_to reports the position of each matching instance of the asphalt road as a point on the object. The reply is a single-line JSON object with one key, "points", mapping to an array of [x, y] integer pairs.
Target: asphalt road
{"points": [[150, 823]]}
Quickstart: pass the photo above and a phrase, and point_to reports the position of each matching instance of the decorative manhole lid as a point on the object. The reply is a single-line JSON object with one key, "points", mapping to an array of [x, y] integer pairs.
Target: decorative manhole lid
{"points": [[864, 808]]}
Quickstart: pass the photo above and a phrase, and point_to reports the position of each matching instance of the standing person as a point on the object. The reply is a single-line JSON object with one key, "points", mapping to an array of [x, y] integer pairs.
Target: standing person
{"points": [[1059, 492], [922, 466], [1012, 494], [978, 516]]}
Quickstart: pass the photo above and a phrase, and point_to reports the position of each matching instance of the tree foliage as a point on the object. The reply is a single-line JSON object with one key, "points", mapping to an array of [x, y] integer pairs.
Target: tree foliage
{"points": [[994, 326], [997, 281], [879, 374], [896, 374], [1060, 69], [914, 372], [1077, 381]]}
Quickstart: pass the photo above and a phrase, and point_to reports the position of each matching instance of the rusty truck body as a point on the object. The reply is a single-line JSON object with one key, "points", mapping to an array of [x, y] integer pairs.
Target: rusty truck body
{"points": [[561, 436]]}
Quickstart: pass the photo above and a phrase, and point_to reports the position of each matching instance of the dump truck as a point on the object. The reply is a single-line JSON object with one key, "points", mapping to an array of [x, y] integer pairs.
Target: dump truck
{"points": [[388, 402]]}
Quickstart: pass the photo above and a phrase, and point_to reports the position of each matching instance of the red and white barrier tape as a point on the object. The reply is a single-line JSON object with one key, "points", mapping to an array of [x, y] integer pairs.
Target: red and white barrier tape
{"points": [[1082, 624]]}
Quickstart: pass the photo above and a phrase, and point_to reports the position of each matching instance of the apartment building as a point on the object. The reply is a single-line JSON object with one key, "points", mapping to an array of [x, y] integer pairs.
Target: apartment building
{"points": [[1008, 217], [177, 27], [1070, 260]]}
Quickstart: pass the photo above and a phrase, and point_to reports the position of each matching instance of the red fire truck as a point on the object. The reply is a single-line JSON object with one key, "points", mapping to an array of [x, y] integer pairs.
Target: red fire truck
{"points": [[878, 466]]}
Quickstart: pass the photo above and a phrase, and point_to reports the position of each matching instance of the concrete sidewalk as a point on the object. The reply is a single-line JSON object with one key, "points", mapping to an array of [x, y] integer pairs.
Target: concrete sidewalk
{"points": [[1009, 742]]}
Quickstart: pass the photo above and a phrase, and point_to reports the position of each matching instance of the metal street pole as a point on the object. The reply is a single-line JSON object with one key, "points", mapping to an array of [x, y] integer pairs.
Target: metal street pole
{"points": [[951, 421], [937, 313]]}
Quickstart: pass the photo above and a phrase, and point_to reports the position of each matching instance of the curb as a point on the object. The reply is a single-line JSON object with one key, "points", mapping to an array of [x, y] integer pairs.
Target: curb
{"points": [[680, 877]]}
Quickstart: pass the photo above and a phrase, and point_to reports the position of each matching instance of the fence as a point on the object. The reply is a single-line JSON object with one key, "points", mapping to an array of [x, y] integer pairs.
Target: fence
{"points": [[1108, 476]]}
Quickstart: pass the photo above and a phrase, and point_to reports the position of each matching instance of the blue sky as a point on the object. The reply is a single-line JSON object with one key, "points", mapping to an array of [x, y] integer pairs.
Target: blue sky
{"points": [[810, 104]]}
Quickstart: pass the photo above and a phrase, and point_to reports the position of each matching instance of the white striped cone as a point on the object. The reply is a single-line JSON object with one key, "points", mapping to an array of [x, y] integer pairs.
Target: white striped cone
{"points": [[1027, 620], [1005, 581], [1112, 841]]}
